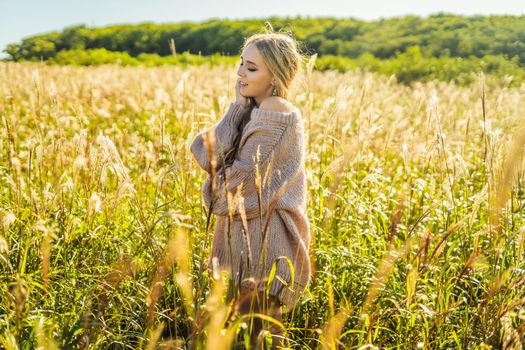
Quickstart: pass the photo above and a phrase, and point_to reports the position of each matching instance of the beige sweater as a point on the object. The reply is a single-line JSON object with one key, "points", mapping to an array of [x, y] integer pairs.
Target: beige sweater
{"points": [[272, 141]]}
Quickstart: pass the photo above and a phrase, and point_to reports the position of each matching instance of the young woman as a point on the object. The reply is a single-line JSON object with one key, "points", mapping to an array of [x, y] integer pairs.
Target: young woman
{"points": [[256, 185]]}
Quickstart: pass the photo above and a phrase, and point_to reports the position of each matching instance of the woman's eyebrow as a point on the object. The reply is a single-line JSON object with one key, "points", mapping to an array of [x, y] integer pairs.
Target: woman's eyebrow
{"points": [[250, 62]]}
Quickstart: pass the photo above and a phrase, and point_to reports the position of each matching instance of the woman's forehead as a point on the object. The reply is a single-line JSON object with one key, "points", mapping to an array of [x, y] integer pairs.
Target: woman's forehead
{"points": [[251, 54]]}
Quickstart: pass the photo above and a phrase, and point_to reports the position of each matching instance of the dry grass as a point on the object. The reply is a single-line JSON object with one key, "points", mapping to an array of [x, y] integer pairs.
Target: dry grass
{"points": [[416, 201]]}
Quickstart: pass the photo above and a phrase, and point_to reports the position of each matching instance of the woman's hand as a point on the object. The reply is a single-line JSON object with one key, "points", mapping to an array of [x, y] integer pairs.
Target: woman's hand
{"points": [[240, 98]]}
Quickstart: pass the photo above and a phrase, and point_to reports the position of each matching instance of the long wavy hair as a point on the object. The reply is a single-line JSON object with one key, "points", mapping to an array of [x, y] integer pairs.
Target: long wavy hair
{"points": [[283, 59]]}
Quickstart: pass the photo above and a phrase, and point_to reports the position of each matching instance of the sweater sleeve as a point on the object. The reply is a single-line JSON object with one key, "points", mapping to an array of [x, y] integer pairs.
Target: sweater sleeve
{"points": [[224, 131], [267, 131]]}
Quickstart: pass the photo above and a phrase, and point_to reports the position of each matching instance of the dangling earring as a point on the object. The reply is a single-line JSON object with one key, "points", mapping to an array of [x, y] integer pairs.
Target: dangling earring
{"points": [[274, 92]]}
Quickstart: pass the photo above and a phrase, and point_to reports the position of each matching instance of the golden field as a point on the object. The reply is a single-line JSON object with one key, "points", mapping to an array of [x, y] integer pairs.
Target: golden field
{"points": [[416, 203]]}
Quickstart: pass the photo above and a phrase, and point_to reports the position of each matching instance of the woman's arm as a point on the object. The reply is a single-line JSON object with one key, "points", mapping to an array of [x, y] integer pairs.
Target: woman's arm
{"points": [[272, 140], [224, 131]]}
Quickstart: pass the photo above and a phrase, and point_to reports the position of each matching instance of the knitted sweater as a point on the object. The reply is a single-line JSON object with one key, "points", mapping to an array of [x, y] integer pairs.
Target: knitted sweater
{"points": [[271, 155]]}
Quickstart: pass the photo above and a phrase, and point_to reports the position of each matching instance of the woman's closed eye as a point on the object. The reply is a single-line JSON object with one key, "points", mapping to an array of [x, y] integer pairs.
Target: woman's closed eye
{"points": [[250, 69]]}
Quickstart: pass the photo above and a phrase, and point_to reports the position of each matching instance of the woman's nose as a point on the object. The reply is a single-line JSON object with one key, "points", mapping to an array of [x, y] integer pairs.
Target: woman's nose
{"points": [[240, 72]]}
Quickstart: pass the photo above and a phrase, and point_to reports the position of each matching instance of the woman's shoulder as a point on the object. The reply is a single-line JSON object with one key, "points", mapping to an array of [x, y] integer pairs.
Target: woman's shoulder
{"points": [[277, 109], [278, 104]]}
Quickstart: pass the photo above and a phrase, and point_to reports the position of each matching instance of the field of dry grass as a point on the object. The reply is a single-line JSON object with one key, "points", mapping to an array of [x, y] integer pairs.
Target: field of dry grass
{"points": [[416, 202]]}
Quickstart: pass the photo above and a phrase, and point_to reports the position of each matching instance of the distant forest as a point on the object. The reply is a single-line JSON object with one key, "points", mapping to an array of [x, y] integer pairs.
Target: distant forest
{"points": [[345, 43], [437, 35]]}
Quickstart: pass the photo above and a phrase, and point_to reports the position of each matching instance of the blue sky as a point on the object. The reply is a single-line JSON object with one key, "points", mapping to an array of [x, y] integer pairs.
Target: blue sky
{"points": [[19, 18]]}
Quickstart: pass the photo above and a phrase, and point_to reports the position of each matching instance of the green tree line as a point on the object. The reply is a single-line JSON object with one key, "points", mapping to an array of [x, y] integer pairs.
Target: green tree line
{"points": [[439, 35]]}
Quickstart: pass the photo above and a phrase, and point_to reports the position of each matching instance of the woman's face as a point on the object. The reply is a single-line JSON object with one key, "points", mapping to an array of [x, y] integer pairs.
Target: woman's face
{"points": [[254, 77]]}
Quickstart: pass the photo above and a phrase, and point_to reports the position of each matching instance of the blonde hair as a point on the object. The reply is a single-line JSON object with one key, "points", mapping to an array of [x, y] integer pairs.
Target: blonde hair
{"points": [[284, 61], [281, 56]]}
